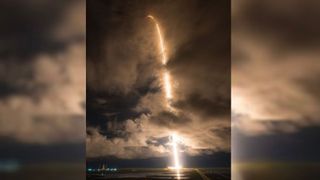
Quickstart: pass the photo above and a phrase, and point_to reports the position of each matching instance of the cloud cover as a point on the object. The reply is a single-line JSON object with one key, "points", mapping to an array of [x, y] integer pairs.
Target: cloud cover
{"points": [[275, 68], [127, 116], [42, 71]]}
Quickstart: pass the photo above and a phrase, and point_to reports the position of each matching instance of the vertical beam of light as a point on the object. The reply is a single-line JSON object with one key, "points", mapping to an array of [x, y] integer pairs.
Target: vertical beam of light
{"points": [[175, 150], [167, 85]]}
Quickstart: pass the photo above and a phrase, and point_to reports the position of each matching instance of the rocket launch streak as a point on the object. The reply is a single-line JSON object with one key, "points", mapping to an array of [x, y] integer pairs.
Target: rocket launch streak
{"points": [[161, 42], [175, 152], [165, 74], [168, 94], [167, 85]]}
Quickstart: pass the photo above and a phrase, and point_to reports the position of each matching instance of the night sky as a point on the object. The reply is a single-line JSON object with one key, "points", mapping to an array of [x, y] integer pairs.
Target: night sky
{"points": [[275, 81], [42, 77], [127, 121]]}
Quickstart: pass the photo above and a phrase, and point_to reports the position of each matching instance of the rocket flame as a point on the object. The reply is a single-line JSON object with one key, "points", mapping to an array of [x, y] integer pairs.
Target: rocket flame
{"points": [[175, 152], [161, 42], [166, 80], [167, 85], [166, 75]]}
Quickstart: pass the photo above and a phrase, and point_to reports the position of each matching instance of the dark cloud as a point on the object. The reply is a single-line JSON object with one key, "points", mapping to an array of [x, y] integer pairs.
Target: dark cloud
{"points": [[291, 25], [275, 97], [42, 89], [42, 71], [205, 107], [158, 141], [26, 28], [125, 84], [170, 119], [275, 65]]}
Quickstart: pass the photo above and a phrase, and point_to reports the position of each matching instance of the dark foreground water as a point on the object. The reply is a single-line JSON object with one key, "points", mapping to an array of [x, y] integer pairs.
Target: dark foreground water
{"points": [[163, 173], [276, 171]]}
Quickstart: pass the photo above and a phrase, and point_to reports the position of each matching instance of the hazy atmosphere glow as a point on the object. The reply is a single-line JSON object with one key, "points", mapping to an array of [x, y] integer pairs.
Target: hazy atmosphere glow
{"points": [[168, 93], [151, 75]]}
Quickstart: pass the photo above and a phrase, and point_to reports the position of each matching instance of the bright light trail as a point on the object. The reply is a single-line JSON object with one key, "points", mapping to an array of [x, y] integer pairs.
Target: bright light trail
{"points": [[161, 42], [167, 85], [175, 150], [165, 74], [168, 95]]}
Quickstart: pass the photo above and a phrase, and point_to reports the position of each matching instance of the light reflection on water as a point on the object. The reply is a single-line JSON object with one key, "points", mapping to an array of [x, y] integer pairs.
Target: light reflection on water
{"points": [[158, 175]]}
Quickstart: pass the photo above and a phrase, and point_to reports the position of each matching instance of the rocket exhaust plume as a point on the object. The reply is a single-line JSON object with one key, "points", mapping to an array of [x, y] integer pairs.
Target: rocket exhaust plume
{"points": [[161, 42], [174, 139], [175, 150], [165, 74], [168, 94], [167, 85]]}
